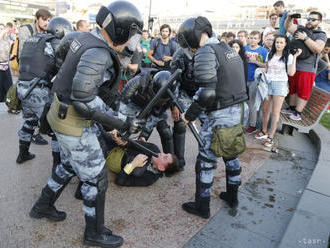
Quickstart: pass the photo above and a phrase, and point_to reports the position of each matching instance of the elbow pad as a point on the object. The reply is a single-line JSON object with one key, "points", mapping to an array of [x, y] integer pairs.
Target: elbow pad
{"points": [[205, 100], [130, 88], [193, 111]]}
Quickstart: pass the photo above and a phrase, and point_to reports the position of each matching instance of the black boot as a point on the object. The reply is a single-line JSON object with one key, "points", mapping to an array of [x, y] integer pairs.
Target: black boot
{"points": [[24, 154], [179, 138], [56, 160], [44, 207], [231, 195], [96, 234], [200, 207], [78, 194], [102, 237]]}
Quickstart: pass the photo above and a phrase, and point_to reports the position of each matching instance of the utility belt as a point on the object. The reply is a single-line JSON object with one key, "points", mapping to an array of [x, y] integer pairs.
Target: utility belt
{"points": [[63, 118], [41, 84], [225, 103]]}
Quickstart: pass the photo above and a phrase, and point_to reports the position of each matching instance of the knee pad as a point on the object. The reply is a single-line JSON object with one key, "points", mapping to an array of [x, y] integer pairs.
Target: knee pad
{"points": [[179, 127], [164, 130]]}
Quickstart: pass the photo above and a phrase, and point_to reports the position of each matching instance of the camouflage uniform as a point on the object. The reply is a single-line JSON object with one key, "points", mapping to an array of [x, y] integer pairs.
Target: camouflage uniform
{"points": [[33, 105]]}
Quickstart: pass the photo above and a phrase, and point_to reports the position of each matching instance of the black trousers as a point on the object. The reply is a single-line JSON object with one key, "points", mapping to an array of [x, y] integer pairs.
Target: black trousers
{"points": [[5, 83]]}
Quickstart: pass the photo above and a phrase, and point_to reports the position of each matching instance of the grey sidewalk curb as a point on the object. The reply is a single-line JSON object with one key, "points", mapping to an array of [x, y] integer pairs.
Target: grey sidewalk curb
{"points": [[310, 223]]}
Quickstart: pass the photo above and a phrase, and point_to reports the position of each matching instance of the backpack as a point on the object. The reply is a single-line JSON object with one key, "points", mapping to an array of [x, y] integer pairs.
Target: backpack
{"points": [[14, 51], [11, 100], [169, 43]]}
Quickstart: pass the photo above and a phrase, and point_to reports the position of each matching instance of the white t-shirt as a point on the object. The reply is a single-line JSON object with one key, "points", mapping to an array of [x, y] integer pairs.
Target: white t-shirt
{"points": [[276, 69]]}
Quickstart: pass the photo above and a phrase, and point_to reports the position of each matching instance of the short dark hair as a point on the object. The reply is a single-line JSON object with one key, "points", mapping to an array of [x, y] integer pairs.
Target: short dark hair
{"points": [[9, 24], [165, 26], [316, 13], [174, 166], [255, 32], [230, 34], [278, 3], [45, 14], [145, 31], [242, 31], [80, 23]]}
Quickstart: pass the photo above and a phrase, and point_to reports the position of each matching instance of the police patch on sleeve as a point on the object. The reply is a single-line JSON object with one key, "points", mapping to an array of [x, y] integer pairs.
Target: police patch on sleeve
{"points": [[75, 45]]}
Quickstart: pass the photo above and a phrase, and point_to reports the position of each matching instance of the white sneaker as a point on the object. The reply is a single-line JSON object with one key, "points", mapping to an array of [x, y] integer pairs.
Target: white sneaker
{"points": [[261, 135], [295, 117], [287, 111]]}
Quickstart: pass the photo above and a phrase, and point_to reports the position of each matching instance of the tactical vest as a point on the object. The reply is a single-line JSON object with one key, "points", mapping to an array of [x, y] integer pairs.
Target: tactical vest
{"points": [[187, 76], [62, 85], [34, 63], [231, 87]]}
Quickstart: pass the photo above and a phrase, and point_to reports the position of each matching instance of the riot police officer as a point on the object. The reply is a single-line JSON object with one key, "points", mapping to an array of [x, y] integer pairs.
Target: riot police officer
{"points": [[83, 91], [137, 93], [37, 68], [183, 59], [219, 72]]}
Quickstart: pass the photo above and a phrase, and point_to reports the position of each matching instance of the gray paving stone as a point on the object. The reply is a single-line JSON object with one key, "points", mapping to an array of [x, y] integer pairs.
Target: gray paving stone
{"points": [[320, 179], [206, 243], [310, 224], [279, 175], [219, 231]]}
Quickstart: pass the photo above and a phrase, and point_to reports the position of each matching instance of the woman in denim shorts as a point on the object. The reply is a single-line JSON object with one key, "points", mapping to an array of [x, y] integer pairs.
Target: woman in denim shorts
{"points": [[280, 64]]}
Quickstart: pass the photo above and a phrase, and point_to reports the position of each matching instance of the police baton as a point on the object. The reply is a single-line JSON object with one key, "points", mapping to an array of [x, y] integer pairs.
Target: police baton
{"points": [[145, 113], [190, 124], [141, 147], [33, 85]]}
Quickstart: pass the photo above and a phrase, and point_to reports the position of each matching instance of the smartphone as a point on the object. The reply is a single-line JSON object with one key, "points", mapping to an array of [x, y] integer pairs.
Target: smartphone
{"points": [[296, 15]]}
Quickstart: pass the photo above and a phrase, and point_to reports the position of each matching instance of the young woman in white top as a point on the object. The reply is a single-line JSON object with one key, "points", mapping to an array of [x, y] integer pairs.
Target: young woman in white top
{"points": [[280, 64]]}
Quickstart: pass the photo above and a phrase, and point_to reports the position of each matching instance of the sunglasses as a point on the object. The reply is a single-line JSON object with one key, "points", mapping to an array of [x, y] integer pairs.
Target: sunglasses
{"points": [[311, 19]]}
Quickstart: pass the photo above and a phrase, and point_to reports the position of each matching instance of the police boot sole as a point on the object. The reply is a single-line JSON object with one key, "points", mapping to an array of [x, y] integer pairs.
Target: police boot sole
{"points": [[37, 215], [95, 243], [21, 160]]}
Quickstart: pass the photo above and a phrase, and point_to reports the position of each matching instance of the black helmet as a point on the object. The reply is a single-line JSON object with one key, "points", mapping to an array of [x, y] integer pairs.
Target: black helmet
{"points": [[190, 31], [160, 79], [121, 20], [63, 48], [59, 27]]}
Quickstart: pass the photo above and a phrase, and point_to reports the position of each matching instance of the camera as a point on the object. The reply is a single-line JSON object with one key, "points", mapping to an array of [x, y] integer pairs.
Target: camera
{"points": [[296, 15]]}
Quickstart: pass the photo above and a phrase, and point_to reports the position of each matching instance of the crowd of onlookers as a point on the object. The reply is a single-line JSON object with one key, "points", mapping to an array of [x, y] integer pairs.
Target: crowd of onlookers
{"points": [[284, 71]]}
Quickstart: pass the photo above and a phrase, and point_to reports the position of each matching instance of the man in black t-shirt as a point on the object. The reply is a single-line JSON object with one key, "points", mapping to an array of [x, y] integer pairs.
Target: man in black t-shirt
{"points": [[134, 167]]}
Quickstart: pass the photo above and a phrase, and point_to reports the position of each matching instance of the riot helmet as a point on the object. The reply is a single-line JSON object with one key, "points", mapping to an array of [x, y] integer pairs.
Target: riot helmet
{"points": [[160, 79], [121, 20], [59, 27], [190, 31]]}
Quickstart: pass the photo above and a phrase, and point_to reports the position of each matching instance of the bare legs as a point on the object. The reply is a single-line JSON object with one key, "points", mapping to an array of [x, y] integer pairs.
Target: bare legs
{"points": [[276, 102]]}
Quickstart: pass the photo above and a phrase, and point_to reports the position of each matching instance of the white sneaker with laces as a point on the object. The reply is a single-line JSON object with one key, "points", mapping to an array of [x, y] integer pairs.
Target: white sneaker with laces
{"points": [[295, 117], [261, 135], [287, 111]]}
